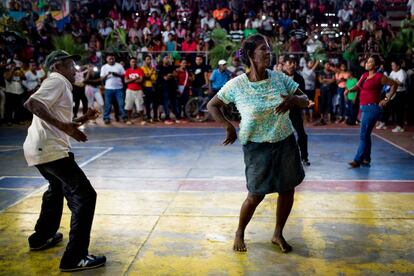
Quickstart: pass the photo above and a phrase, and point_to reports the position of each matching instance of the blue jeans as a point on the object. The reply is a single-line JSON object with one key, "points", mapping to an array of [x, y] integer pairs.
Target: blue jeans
{"points": [[370, 114], [118, 94], [338, 102]]}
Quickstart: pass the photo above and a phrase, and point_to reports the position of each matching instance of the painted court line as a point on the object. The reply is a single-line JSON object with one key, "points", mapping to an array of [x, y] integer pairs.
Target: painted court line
{"points": [[395, 145], [42, 187], [157, 136]]}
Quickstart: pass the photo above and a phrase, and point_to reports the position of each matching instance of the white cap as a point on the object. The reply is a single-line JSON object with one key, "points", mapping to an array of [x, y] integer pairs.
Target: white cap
{"points": [[222, 62]]}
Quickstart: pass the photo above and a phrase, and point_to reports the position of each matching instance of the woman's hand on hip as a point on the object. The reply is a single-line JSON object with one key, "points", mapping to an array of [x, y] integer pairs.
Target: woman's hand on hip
{"points": [[231, 135]]}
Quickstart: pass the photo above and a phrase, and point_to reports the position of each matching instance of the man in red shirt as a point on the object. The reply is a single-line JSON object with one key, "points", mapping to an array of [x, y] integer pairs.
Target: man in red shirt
{"points": [[134, 95]]}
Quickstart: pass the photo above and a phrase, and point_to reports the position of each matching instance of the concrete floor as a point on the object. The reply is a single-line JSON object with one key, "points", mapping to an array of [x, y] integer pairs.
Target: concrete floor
{"points": [[169, 199]]}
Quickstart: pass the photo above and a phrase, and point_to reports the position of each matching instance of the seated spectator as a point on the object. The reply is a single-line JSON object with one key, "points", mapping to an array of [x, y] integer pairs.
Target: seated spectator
{"points": [[209, 21], [235, 34]]}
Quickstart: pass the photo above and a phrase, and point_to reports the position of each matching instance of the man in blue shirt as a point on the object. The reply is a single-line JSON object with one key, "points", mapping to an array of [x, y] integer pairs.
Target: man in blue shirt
{"points": [[219, 77]]}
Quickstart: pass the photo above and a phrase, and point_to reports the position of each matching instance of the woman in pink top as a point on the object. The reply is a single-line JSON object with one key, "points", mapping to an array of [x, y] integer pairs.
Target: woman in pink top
{"points": [[338, 101], [369, 93]]}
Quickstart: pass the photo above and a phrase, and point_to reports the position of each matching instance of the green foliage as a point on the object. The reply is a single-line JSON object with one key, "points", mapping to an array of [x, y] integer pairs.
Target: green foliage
{"points": [[319, 54], [68, 44], [223, 47], [276, 46], [116, 42]]}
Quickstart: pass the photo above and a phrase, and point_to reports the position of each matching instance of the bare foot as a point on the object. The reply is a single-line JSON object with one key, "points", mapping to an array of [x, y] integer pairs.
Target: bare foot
{"points": [[281, 242], [239, 242]]}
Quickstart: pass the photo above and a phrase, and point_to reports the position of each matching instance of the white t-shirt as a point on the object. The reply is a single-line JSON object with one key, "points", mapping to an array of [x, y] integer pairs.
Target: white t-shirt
{"points": [[44, 142], [345, 15], [33, 80], [400, 76], [113, 82], [309, 77], [210, 22]]}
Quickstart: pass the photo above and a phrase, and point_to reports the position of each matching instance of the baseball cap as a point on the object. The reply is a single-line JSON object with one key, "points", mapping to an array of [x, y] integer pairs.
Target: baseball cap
{"points": [[59, 55], [222, 62]]}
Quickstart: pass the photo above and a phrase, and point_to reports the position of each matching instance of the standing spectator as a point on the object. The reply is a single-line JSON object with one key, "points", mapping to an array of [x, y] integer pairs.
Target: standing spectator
{"points": [[79, 92], [166, 80], [200, 72], [34, 77], [369, 92], [309, 76], [134, 95], [398, 103], [92, 88], [14, 78], [350, 99], [151, 97], [327, 81], [219, 78], [112, 74], [295, 113], [338, 101], [183, 85]]}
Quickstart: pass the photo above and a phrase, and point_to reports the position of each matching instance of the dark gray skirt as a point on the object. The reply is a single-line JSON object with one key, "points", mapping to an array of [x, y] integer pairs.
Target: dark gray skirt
{"points": [[273, 167]]}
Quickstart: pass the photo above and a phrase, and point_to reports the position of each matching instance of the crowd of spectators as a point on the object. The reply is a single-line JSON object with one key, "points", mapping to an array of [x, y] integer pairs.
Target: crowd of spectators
{"points": [[178, 33]]}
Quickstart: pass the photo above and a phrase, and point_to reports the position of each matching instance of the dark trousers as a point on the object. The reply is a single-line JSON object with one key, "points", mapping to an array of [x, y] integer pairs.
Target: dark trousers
{"points": [[181, 102], [295, 116], [150, 101], [169, 99], [78, 96], [351, 112], [13, 108], [67, 180], [398, 106], [325, 100]]}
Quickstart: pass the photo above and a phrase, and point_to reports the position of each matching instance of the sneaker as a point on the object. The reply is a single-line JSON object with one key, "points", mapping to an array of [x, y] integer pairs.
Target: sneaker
{"points": [[107, 122], [168, 122], [353, 164], [128, 122], [381, 125], [87, 262], [306, 162], [57, 238], [397, 129]]}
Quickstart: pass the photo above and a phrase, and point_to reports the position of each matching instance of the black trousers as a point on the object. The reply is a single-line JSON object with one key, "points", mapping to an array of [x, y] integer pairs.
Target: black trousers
{"points": [[151, 101], [325, 105], [13, 108], [295, 116], [67, 180], [78, 96], [398, 105]]}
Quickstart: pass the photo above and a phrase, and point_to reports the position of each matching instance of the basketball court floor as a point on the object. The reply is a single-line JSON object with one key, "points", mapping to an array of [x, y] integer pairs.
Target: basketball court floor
{"points": [[169, 200]]}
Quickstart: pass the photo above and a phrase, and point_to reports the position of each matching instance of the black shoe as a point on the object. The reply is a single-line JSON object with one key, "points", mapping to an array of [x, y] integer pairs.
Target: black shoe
{"points": [[87, 262], [353, 165], [107, 122], [36, 246], [306, 162]]}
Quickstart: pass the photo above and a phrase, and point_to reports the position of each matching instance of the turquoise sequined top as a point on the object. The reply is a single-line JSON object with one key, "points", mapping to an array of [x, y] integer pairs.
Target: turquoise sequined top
{"points": [[257, 102]]}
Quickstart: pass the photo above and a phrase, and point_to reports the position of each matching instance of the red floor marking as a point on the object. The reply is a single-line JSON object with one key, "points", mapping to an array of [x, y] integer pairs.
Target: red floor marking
{"points": [[358, 186], [308, 185]]}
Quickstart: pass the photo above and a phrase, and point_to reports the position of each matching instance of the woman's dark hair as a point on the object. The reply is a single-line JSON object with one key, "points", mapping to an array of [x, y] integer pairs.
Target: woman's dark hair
{"points": [[376, 59], [248, 47], [147, 55]]}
